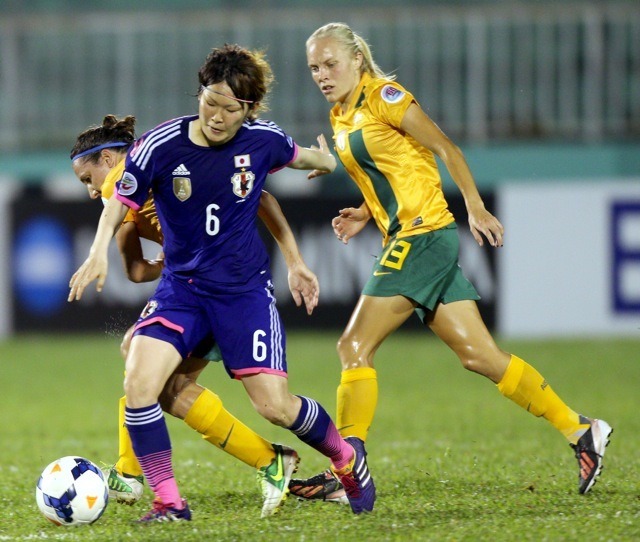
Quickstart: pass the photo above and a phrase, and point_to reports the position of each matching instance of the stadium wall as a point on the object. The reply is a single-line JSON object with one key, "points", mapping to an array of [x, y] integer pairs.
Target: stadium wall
{"points": [[570, 264]]}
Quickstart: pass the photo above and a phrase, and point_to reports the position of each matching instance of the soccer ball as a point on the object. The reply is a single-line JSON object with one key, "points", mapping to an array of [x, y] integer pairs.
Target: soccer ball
{"points": [[72, 491]]}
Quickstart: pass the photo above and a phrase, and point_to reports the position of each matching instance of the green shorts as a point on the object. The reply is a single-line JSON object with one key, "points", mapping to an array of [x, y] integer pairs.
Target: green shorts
{"points": [[423, 268]]}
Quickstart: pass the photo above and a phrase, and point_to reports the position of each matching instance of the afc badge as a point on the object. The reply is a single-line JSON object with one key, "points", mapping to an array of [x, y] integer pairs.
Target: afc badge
{"points": [[391, 94], [243, 183], [341, 140], [128, 184], [182, 188]]}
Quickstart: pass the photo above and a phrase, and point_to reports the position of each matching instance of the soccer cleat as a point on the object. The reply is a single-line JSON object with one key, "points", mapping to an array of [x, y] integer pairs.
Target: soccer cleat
{"points": [[161, 513], [123, 488], [589, 452], [321, 487], [356, 479], [273, 479]]}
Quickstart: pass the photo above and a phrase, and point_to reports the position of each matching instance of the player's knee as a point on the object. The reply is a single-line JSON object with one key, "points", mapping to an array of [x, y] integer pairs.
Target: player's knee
{"points": [[488, 365], [471, 363], [275, 411], [170, 393], [273, 414], [139, 393], [167, 400], [352, 357], [175, 384]]}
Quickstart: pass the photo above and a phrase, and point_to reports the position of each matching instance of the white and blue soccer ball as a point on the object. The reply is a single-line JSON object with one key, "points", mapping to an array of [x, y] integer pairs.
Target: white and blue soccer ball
{"points": [[72, 491]]}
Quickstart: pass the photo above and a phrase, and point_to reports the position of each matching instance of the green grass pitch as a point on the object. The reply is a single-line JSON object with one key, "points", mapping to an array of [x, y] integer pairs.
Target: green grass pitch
{"points": [[452, 458]]}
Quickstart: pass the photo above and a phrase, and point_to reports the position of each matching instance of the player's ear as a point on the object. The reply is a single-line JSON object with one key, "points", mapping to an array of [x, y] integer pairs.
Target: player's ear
{"points": [[106, 155], [358, 60]]}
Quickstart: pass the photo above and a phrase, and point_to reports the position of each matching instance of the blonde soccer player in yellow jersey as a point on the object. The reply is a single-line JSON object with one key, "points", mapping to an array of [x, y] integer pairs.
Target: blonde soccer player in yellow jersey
{"points": [[98, 162], [387, 145]]}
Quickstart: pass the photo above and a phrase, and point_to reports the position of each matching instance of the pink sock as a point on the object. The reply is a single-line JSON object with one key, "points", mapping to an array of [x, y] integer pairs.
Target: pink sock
{"points": [[344, 456], [167, 492]]}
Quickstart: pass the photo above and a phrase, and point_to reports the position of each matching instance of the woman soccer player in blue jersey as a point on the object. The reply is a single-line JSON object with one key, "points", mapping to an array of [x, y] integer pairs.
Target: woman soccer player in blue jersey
{"points": [[206, 173], [387, 145], [98, 159]]}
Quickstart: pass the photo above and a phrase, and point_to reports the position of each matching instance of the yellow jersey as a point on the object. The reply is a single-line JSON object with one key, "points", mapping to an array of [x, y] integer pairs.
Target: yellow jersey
{"points": [[397, 176], [145, 219]]}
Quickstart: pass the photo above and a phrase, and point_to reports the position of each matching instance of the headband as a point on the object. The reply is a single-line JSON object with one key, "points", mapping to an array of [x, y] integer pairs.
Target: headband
{"points": [[202, 87], [100, 147]]}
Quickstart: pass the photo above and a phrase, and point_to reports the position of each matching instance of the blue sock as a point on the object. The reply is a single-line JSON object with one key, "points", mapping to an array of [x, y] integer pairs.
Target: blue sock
{"points": [[314, 427]]}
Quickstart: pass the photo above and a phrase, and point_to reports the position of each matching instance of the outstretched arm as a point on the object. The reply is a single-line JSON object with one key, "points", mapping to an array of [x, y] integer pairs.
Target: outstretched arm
{"points": [[96, 264], [303, 283], [481, 222], [319, 159]]}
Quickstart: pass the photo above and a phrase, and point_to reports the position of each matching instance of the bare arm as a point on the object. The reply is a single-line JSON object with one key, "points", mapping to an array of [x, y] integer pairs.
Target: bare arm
{"points": [[303, 283], [319, 159], [420, 126], [136, 266], [96, 264]]}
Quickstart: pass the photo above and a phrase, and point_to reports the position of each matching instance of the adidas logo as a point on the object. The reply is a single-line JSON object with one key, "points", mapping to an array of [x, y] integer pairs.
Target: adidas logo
{"points": [[181, 170]]}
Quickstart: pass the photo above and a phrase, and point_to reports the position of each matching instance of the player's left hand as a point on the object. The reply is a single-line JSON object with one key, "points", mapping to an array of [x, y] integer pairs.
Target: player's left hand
{"points": [[482, 222], [349, 223], [304, 286]]}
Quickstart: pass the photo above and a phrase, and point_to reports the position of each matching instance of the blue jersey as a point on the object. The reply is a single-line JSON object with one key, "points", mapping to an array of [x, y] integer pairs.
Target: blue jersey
{"points": [[207, 199]]}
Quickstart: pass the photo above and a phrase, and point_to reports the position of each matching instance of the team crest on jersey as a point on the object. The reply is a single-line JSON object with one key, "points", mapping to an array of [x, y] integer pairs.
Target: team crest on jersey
{"points": [[243, 183], [391, 94], [149, 308], [128, 184], [182, 188]]}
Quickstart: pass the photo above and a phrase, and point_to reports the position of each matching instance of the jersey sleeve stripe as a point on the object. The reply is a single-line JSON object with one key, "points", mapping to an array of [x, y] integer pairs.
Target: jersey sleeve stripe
{"points": [[295, 155], [157, 144], [132, 204], [269, 128], [142, 154]]}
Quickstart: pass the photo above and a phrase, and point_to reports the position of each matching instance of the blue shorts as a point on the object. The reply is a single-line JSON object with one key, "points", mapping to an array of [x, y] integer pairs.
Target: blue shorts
{"points": [[246, 325]]}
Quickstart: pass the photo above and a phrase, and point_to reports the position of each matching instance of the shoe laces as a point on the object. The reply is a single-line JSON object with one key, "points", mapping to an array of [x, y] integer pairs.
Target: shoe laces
{"points": [[317, 480], [351, 486]]}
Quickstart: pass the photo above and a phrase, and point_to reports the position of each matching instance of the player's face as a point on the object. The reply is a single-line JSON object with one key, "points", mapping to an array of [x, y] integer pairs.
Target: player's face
{"points": [[334, 69], [91, 175], [220, 114]]}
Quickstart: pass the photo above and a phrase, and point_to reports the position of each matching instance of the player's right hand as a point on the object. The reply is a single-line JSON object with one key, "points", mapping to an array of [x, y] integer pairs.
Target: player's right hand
{"points": [[92, 269]]}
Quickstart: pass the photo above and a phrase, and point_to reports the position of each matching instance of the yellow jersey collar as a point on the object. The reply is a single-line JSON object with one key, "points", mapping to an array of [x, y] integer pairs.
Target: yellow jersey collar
{"points": [[353, 101]]}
